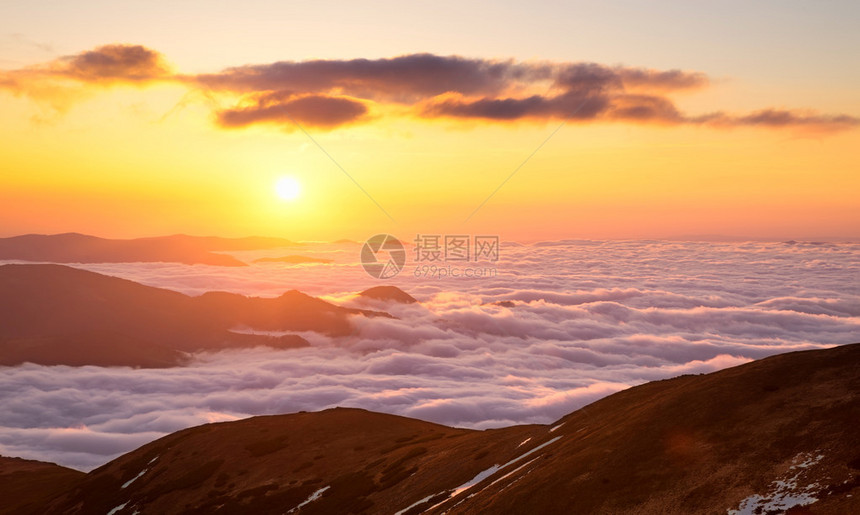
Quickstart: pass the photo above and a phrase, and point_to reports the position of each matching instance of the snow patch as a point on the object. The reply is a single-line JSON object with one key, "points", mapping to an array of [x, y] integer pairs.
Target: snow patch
{"points": [[524, 442], [810, 461], [512, 483], [784, 493], [530, 452], [511, 473], [416, 503], [135, 478], [313, 497], [484, 474], [117, 509], [556, 427]]}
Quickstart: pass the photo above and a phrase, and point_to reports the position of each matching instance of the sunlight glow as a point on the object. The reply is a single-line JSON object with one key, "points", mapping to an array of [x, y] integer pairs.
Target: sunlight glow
{"points": [[288, 188]]}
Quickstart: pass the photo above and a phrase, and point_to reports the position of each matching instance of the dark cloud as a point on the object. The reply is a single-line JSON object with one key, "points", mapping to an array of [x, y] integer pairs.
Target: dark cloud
{"points": [[65, 80], [778, 118], [493, 109], [644, 109], [634, 108], [331, 93], [312, 110], [131, 63], [471, 88], [571, 105], [415, 77], [407, 78], [589, 78], [104, 64], [662, 80]]}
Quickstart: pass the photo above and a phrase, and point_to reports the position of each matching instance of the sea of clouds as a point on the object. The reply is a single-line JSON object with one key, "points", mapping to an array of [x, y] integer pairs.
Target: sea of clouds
{"points": [[584, 319]]}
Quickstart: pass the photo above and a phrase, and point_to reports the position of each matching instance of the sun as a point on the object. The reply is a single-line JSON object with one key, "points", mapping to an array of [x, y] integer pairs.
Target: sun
{"points": [[288, 188]]}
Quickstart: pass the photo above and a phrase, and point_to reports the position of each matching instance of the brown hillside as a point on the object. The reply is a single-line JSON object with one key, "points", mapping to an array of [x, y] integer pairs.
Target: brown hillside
{"points": [[25, 485], [55, 314], [693, 444]]}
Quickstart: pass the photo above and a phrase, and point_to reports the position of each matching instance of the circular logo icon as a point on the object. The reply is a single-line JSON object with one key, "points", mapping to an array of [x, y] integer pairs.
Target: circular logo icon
{"points": [[383, 256]]}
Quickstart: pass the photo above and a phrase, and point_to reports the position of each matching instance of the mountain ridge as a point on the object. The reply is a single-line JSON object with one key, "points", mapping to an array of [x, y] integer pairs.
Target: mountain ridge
{"points": [[178, 248], [777, 430], [55, 314]]}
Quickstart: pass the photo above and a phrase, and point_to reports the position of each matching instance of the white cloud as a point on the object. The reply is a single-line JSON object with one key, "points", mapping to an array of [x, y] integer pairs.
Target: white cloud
{"points": [[588, 319]]}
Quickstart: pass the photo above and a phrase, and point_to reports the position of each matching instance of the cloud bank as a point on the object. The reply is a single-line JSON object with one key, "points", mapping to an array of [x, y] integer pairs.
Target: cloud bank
{"points": [[333, 93], [563, 324], [104, 64]]}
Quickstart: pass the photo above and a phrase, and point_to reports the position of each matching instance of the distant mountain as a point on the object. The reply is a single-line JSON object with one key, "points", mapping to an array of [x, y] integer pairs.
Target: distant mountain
{"points": [[96, 347], [388, 293], [294, 260], [55, 314], [81, 248], [765, 437]]}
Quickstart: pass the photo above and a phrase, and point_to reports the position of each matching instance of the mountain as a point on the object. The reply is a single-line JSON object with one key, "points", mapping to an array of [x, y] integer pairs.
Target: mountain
{"points": [[25, 485], [95, 347], [293, 260], [81, 248], [388, 293], [55, 314], [764, 437]]}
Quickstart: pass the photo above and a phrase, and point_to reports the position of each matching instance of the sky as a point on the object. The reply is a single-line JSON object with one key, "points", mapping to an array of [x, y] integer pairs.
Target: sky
{"points": [[542, 120]]}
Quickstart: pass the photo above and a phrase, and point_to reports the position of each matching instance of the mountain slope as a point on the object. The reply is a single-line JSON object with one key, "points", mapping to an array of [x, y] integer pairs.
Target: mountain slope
{"points": [[27, 484], [54, 314], [693, 444], [702, 444], [81, 248], [97, 347], [272, 464]]}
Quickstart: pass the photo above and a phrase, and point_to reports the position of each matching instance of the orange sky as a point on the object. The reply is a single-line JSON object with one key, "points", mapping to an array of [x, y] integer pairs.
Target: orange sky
{"points": [[101, 140]]}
